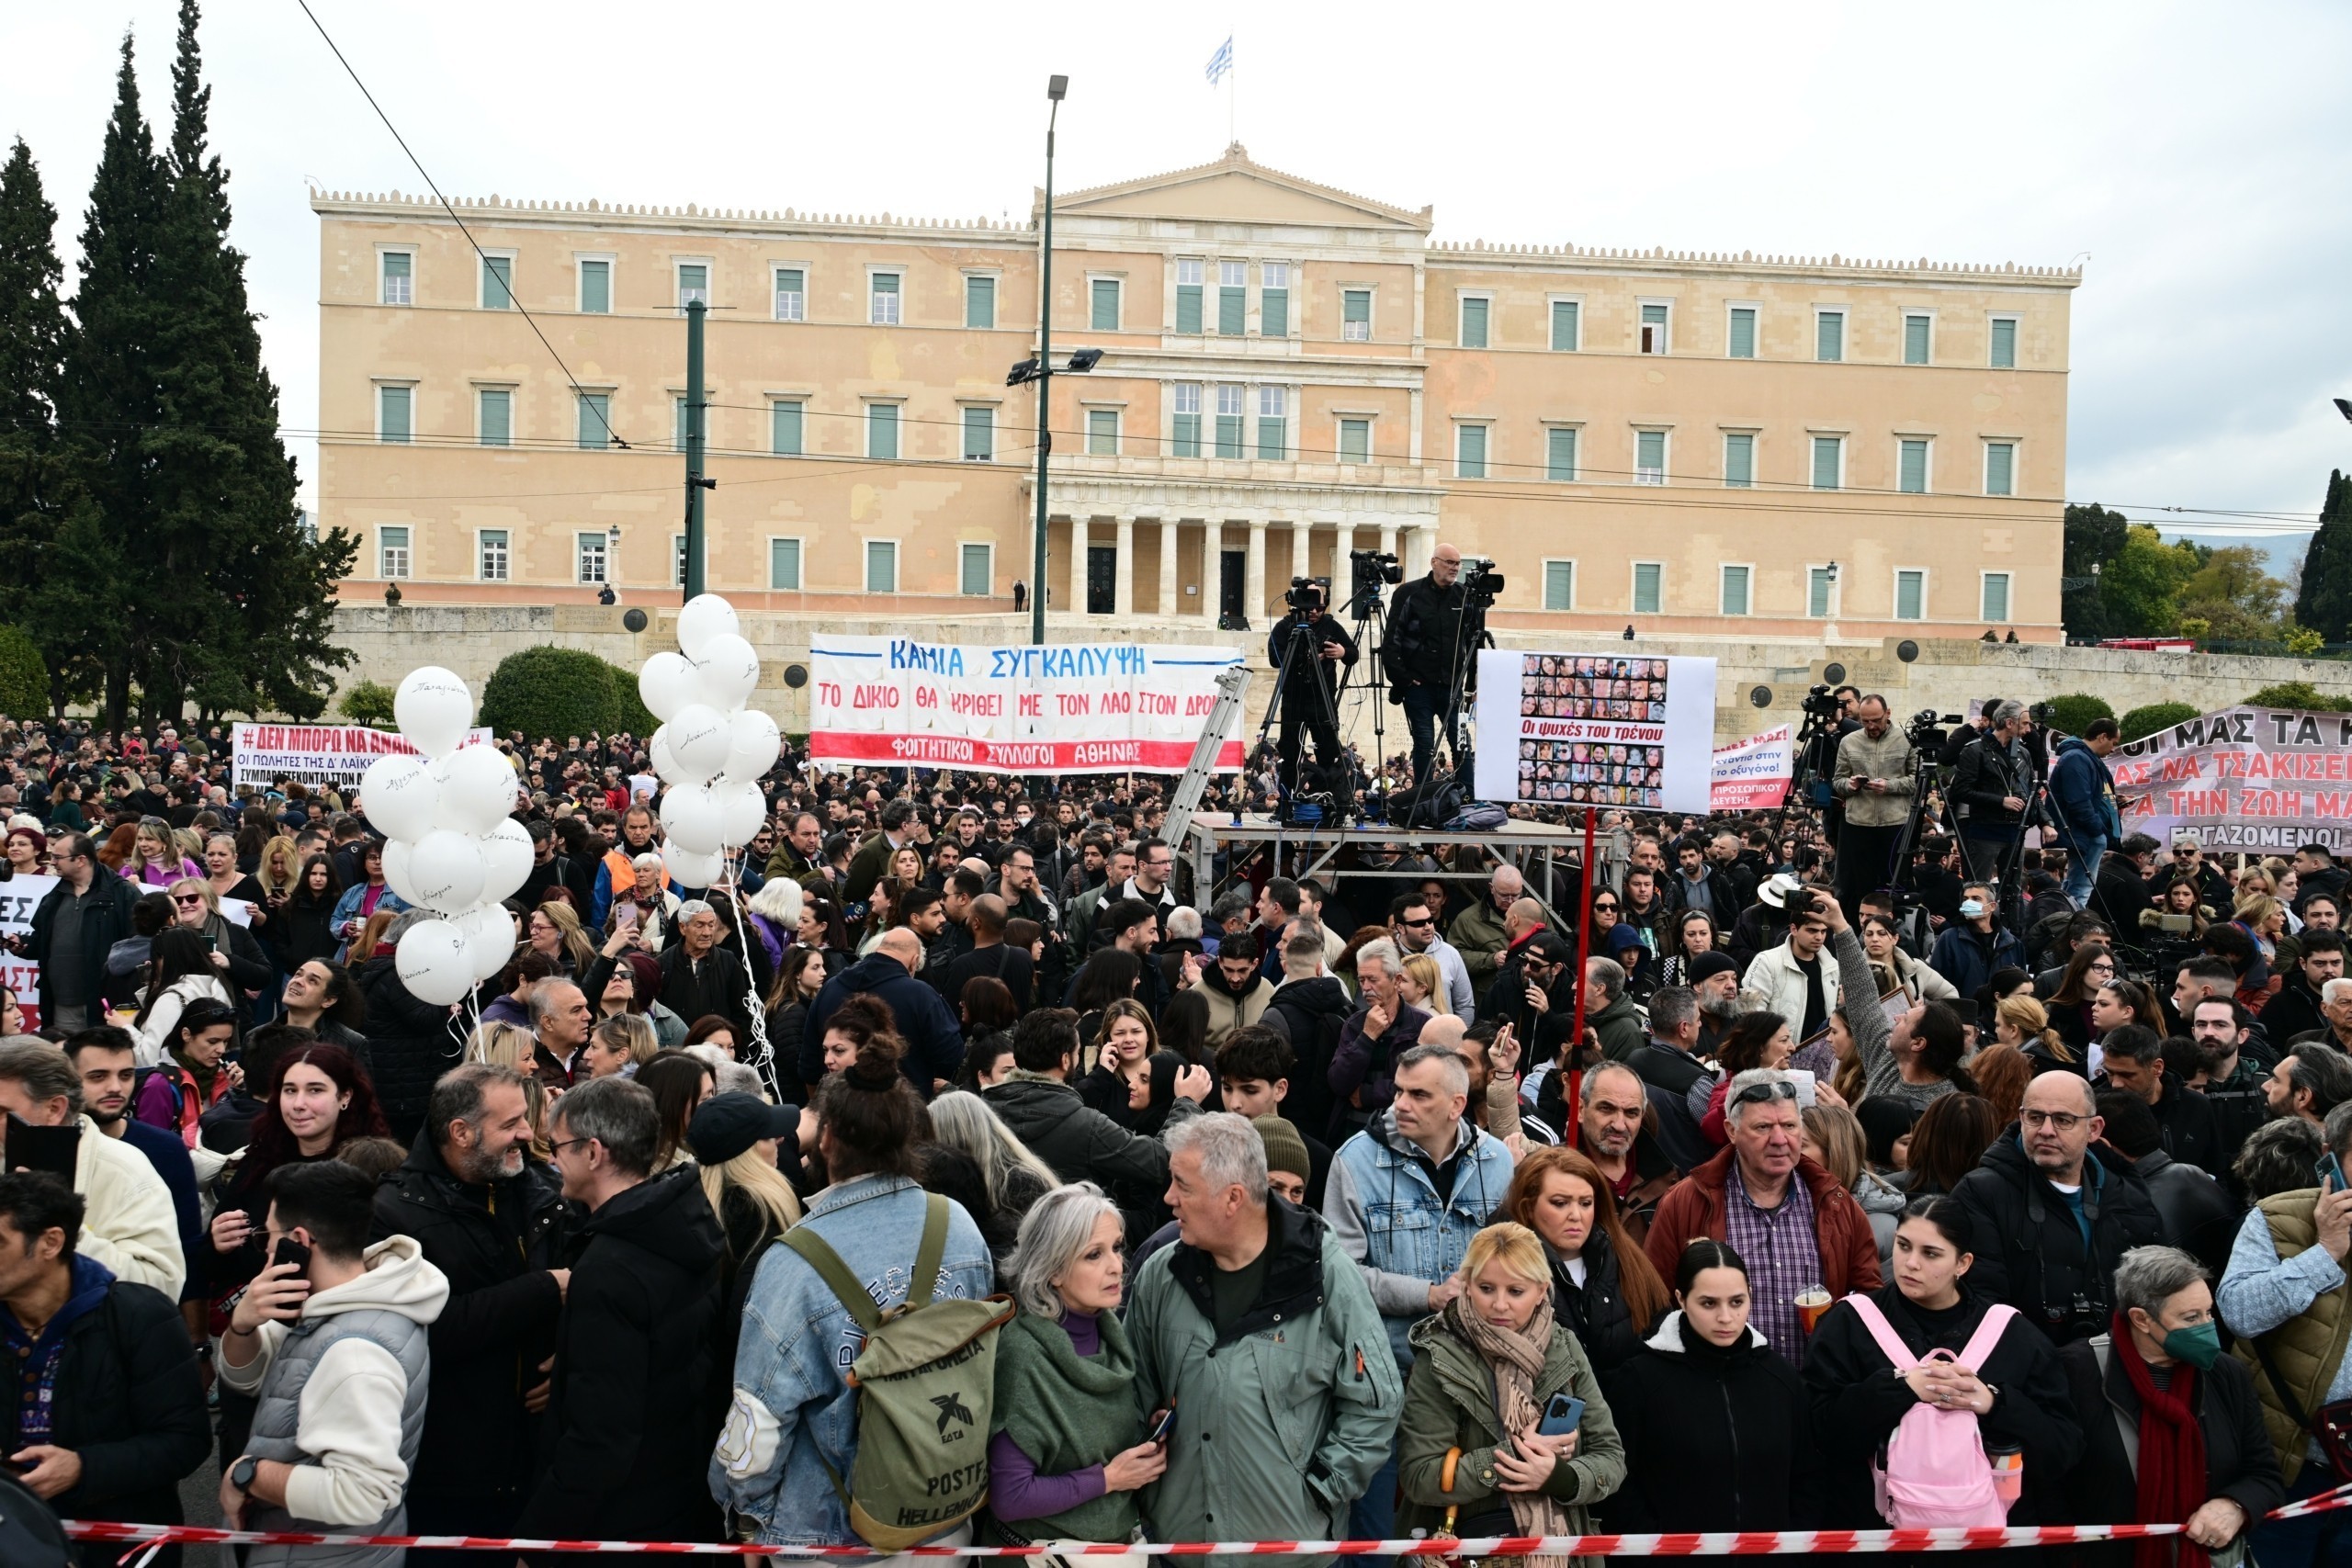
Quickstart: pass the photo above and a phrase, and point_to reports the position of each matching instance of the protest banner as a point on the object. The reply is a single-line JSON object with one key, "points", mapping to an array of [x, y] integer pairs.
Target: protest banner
{"points": [[2260, 780], [19, 896], [1061, 707], [317, 754], [1596, 729], [1753, 774]]}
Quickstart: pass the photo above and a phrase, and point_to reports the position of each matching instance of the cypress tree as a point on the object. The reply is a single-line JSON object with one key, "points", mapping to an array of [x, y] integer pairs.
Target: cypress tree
{"points": [[2324, 603]]}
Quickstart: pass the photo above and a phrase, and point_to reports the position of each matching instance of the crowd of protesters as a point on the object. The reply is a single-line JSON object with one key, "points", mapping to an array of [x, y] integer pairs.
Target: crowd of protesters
{"points": [[1996, 1185]]}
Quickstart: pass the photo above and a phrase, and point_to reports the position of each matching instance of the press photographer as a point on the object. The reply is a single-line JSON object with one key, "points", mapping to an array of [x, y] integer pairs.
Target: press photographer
{"points": [[1872, 774], [1308, 646], [1434, 628], [1992, 787]]}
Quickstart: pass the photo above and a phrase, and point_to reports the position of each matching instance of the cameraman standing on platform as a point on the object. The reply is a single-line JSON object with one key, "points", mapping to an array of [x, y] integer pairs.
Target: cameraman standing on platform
{"points": [[1873, 776], [1426, 646], [1310, 685], [1992, 787]]}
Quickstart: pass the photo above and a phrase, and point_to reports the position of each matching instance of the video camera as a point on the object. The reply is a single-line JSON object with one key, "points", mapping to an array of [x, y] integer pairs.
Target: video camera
{"points": [[1925, 730], [1305, 594], [1821, 702], [1480, 582]]}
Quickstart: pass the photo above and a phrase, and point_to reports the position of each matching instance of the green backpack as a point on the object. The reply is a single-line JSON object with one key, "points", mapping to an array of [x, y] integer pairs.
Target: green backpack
{"points": [[926, 1384]]}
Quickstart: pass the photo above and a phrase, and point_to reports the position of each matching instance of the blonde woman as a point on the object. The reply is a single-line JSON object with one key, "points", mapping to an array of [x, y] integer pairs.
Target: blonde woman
{"points": [[280, 870], [198, 907], [733, 1137], [554, 931], [621, 1043], [1422, 986], [512, 1045], [156, 859], [2021, 1021], [1014, 1177]]}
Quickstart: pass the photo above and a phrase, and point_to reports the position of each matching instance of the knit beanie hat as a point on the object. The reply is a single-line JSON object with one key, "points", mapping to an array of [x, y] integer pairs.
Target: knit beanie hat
{"points": [[1285, 1150]]}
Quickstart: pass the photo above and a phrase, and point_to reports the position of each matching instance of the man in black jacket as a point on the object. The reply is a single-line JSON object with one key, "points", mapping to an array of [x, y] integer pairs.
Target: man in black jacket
{"points": [[1310, 1009], [1991, 790], [700, 978], [2120, 895], [85, 914], [934, 1042], [2042, 1190], [101, 1409], [1305, 646], [1426, 649], [2295, 1009], [1081, 1144], [633, 1410], [494, 1224]]}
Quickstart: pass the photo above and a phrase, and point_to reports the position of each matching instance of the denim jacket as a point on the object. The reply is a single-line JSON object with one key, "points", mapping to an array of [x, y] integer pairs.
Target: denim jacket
{"points": [[794, 1413], [1384, 1213]]}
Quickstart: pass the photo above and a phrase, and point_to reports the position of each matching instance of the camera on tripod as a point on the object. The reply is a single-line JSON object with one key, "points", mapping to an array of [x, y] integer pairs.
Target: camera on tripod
{"points": [[1480, 582], [1926, 732], [1821, 702], [1374, 570], [1305, 594]]}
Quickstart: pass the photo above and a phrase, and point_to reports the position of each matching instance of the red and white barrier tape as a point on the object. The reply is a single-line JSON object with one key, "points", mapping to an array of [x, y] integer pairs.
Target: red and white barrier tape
{"points": [[1752, 1543]]}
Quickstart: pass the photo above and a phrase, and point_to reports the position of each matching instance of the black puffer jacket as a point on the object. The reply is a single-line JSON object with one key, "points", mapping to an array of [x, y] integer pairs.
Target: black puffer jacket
{"points": [[2029, 1250], [630, 1424], [1596, 1312], [1715, 1438], [1083, 1144], [500, 1322], [409, 1046], [1311, 1014]]}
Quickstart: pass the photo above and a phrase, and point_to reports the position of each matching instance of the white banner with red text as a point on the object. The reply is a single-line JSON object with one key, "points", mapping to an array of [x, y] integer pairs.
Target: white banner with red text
{"points": [[19, 896], [1057, 708], [1753, 774], [1596, 729], [317, 754], [2241, 778]]}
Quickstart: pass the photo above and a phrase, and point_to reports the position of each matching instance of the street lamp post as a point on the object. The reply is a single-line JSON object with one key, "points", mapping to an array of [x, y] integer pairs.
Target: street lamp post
{"points": [[1055, 87]]}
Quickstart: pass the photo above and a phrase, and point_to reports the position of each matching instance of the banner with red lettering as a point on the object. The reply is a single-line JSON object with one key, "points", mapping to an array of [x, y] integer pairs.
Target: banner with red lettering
{"points": [[19, 896], [1753, 774], [1057, 708], [317, 754], [2251, 779]]}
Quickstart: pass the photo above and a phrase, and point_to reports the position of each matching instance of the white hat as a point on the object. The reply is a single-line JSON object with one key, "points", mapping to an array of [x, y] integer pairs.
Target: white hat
{"points": [[1777, 888]]}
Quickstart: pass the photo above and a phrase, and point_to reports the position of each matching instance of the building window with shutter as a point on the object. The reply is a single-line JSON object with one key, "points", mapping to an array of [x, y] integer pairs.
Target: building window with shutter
{"points": [[975, 572], [1911, 466], [2004, 343], [392, 551], [1355, 441], [1820, 592], [1911, 594], [1103, 311], [395, 415], [1232, 298], [1918, 338], [1469, 451], [1184, 428], [1742, 344], [1829, 336], [1474, 308], [1734, 600], [398, 268], [1997, 598], [1657, 321], [1649, 457], [791, 294], [1189, 284], [589, 556], [496, 419], [979, 435], [1739, 459], [1273, 298], [1560, 454], [2000, 468], [979, 302], [882, 310], [694, 283], [785, 418], [596, 287], [1829, 462], [498, 282], [596, 422], [1273, 423], [1559, 585], [1355, 315], [494, 554], [881, 566], [677, 561], [784, 565], [1567, 325], [882, 432], [1649, 587], [1102, 433], [1229, 418]]}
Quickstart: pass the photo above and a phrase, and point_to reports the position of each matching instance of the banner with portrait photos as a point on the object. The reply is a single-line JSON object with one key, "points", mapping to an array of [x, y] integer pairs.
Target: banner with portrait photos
{"points": [[1568, 729]]}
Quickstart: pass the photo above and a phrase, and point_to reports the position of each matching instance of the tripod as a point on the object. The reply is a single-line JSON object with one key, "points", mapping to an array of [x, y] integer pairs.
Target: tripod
{"points": [[1299, 647], [1368, 610]]}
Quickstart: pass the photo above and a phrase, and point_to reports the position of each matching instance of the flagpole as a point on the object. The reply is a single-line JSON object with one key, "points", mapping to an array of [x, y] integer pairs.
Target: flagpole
{"points": [[1232, 93]]}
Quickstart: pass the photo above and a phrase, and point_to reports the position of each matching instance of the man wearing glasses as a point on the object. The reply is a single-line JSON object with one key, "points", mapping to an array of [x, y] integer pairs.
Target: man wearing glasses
{"points": [[86, 913], [1414, 925], [2067, 1208], [2188, 860]]}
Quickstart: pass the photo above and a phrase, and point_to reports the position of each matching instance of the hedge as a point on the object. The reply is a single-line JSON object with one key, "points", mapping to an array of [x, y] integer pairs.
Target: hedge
{"points": [[2142, 722], [24, 674], [367, 702], [552, 692], [2073, 713], [2300, 695]]}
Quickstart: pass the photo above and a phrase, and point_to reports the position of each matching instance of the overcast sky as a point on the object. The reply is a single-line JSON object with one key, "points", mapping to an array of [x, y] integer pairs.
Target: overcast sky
{"points": [[2201, 155]]}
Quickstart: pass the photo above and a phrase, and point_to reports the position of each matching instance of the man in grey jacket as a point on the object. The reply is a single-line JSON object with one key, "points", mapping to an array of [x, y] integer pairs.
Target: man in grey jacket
{"points": [[1873, 776]]}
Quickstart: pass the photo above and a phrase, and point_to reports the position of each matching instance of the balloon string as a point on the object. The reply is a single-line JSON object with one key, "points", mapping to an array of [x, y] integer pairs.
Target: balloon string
{"points": [[763, 1053]]}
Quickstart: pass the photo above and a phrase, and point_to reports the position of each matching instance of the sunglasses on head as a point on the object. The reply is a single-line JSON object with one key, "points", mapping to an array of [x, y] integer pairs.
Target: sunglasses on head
{"points": [[1761, 1093]]}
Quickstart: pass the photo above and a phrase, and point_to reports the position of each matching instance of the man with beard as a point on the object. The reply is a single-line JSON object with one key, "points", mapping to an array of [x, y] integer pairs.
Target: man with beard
{"points": [[1714, 980], [109, 1072], [493, 1222]]}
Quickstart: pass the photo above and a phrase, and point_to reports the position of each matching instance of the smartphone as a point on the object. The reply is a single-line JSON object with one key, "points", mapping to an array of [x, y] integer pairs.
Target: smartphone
{"points": [[1798, 902], [51, 1149], [1563, 1414], [629, 916], [2331, 1174], [288, 1250], [1163, 1423]]}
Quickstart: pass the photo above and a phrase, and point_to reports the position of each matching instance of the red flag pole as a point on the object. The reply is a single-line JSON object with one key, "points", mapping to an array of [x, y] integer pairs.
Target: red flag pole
{"points": [[1584, 949]]}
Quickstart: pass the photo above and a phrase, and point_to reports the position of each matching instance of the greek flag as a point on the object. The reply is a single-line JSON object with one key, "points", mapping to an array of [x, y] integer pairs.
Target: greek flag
{"points": [[1221, 61]]}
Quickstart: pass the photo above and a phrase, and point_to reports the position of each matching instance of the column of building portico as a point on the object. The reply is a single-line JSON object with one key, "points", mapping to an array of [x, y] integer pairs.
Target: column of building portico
{"points": [[1302, 548], [1389, 542], [1415, 555], [1167, 567], [1212, 569], [1123, 601], [1078, 540], [1253, 602]]}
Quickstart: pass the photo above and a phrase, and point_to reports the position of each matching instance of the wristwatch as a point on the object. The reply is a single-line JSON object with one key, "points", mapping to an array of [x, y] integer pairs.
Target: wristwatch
{"points": [[242, 1474]]}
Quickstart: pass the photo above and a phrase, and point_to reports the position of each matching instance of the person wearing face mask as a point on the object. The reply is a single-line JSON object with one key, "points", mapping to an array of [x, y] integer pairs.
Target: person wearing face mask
{"points": [[1977, 944], [1485, 1370], [1717, 1426], [2173, 1428]]}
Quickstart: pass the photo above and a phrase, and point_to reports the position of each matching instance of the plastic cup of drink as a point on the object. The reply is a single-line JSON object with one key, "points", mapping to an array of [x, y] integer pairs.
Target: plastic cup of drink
{"points": [[1811, 1303]]}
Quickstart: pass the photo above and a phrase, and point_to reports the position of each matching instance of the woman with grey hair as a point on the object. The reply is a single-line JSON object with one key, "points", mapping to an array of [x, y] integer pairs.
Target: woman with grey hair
{"points": [[2174, 1434], [1015, 1177], [1065, 1450]]}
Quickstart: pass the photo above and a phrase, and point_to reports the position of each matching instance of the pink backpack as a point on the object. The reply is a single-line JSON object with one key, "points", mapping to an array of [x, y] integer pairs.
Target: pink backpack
{"points": [[1933, 1471]]}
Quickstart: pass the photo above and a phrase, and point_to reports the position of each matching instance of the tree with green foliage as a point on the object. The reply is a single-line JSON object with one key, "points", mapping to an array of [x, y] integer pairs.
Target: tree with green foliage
{"points": [[2156, 718], [2073, 713], [2234, 595], [2093, 537], [2139, 590], [2300, 694], [368, 702], [547, 691], [23, 679], [2325, 599]]}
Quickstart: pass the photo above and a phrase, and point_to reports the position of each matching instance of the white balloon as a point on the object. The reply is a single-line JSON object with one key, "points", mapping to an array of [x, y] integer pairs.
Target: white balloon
{"points": [[666, 683], [448, 870], [691, 869], [726, 672], [435, 962], [742, 810], [477, 788], [700, 738], [754, 744], [396, 872], [506, 860], [665, 766], [705, 617], [434, 709], [489, 937], [399, 795], [691, 816]]}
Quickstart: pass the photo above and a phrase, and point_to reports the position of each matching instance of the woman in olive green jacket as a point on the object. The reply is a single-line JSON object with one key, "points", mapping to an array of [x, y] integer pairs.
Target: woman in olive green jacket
{"points": [[1484, 1369]]}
